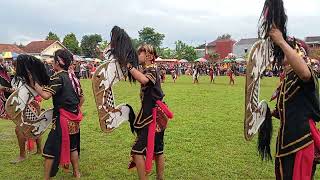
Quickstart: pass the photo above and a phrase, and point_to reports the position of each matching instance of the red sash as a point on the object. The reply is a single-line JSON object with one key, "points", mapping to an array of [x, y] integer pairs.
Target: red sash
{"points": [[152, 132], [66, 116]]}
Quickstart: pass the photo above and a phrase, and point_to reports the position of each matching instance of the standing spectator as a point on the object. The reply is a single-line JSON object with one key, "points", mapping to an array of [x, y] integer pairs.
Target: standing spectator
{"points": [[88, 70], [77, 69], [196, 72], [93, 70], [231, 76], [174, 75], [83, 71], [211, 73]]}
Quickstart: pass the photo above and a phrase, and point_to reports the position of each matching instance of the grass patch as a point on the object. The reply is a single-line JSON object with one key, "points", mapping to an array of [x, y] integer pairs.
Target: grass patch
{"points": [[204, 140]]}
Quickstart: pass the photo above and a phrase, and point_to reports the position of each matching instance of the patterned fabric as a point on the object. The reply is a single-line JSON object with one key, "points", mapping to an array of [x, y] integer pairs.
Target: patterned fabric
{"points": [[75, 83], [30, 113], [3, 99], [74, 127], [109, 99], [5, 82], [162, 120]]}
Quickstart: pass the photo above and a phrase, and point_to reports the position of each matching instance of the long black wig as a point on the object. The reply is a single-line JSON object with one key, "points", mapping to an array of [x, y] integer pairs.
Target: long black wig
{"points": [[123, 49], [30, 65], [273, 13]]}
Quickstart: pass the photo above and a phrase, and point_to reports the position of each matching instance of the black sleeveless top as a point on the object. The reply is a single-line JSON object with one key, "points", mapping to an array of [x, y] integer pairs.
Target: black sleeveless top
{"points": [[63, 93], [149, 94]]}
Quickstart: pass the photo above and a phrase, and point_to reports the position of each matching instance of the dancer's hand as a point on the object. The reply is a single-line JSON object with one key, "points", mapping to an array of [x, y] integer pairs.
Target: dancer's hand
{"points": [[32, 83], [276, 35]]}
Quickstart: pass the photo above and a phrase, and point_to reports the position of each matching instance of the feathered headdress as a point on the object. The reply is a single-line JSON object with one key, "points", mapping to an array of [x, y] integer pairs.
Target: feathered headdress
{"points": [[273, 13]]}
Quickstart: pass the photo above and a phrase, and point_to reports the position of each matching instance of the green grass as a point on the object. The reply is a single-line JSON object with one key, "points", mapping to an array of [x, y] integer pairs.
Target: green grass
{"points": [[203, 141]]}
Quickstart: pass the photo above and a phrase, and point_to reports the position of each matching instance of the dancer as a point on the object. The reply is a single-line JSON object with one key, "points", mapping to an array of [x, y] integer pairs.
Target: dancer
{"points": [[299, 90], [62, 145], [231, 76], [211, 74], [196, 73], [151, 94], [174, 75], [6, 90]]}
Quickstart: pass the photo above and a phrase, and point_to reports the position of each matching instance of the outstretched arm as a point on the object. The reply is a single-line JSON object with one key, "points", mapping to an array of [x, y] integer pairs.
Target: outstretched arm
{"points": [[294, 59]]}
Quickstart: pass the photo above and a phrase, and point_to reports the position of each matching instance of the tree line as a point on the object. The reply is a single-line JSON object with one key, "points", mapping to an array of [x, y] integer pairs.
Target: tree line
{"points": [[92, 44]]}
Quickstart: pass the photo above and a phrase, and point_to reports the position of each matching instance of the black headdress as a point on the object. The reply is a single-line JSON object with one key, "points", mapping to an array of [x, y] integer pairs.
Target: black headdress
{"points": [[273, 13], [123, 49], [64, 58], [30, 65]]}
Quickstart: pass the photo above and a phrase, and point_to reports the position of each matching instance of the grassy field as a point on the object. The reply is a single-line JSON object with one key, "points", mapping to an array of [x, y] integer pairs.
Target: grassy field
{"points": [[204, 140]]}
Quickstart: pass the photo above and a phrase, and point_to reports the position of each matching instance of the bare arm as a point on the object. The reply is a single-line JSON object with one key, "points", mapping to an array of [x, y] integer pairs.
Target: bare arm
{"points": [[139, 76], [81, 101], [294, 59], [44, 94]]}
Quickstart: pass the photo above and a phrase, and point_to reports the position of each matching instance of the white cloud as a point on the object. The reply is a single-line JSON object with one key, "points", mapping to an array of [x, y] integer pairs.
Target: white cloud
{"points": [[188, 20]]}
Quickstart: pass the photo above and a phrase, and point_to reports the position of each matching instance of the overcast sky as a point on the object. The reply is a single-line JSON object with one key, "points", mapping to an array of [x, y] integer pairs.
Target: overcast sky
{"points": [[192, 21]]}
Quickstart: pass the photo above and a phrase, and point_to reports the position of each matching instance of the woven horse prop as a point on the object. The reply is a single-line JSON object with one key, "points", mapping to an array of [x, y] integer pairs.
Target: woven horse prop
{"points": [[255, 110], [21, 105], [121, 52], [25, 112], [264, 53], [106, 76]]}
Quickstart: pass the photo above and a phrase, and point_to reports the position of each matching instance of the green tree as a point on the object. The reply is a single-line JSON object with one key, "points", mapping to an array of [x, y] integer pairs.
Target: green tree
{"points": [[89, 44], [52, 36], [184, 51], [224, 36], [135, 43], [214, 55], [103, 45], [70, 41], [167, 53], [150, 36]]}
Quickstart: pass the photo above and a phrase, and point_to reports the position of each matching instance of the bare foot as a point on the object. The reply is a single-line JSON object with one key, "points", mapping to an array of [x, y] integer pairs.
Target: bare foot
{"points": [[18, 160], [76, 175], [36, 153], [65, 168]]}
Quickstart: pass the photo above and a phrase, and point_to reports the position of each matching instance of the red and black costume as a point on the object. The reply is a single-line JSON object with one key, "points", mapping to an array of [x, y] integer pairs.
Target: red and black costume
{"points": [[5, 82], [149, 94], [65, 134], [150, 123], [297, 108]]}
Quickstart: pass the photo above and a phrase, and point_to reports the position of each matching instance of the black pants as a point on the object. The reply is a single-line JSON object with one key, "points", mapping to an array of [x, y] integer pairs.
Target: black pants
{"points": [[284, 167], [52, 147], [140, 144]]}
